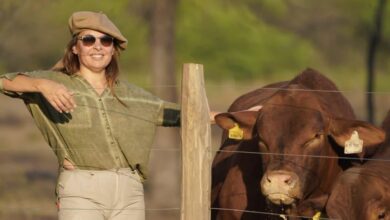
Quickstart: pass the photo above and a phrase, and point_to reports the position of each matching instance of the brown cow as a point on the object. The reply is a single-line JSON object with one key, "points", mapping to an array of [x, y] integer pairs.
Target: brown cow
{"points": [[302, 122], [363, 193]]}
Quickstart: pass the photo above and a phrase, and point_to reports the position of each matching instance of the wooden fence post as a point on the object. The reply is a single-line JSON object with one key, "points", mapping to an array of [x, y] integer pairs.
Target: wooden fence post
{"points": [[196, 145]]}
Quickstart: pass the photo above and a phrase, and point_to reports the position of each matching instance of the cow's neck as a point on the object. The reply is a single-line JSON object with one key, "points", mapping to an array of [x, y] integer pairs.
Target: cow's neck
{"points": [[317, 200]]}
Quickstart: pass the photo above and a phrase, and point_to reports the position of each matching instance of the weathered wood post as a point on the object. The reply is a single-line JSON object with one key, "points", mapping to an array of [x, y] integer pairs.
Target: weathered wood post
{"points": [[196, 145]]}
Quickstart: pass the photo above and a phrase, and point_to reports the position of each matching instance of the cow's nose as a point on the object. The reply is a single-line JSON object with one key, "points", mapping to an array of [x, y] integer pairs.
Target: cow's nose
{"points": [[280, 187], [281, 178]]}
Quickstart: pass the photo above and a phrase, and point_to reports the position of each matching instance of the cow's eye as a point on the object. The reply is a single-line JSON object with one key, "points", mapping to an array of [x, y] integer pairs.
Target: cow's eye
{"points": [[318, 135], [312, 142]]}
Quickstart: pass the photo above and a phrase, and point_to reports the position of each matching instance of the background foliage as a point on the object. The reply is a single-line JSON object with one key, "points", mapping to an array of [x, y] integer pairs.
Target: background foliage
{"points": [[242, 44], [242, 40]]}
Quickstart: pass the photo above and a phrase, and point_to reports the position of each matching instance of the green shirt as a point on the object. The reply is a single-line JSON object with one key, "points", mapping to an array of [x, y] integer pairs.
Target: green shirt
{"points": [[101, 133]]}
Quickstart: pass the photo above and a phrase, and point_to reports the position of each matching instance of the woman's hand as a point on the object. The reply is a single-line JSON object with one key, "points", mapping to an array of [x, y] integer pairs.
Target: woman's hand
{"points": [[57, 95]]}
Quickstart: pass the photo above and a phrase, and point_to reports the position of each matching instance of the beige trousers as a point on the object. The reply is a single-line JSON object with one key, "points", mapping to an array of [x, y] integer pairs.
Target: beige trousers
{"points": [[100, 195]]}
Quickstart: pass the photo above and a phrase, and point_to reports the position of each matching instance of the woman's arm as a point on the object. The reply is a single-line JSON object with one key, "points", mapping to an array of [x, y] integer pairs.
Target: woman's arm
{"points": [[55, 93]]}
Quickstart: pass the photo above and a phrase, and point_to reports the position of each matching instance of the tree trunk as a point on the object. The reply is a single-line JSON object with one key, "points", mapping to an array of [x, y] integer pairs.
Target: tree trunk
{"points": [[163, 186], [373, 45], [163, 49]]}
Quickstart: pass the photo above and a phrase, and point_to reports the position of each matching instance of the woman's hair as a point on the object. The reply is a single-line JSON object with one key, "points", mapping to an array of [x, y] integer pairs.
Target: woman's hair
{"points": [[71, 65]]}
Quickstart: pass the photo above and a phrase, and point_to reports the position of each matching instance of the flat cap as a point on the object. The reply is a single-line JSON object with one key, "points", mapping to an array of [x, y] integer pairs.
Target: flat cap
{"points": [[83, 20]]}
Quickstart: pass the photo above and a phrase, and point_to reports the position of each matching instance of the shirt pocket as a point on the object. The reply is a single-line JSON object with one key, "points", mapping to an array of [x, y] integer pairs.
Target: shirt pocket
{"points": [[80, 117]]}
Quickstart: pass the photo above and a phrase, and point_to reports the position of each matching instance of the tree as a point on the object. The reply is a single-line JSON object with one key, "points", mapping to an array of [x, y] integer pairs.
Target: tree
{"points": [[373, 45], [165, 185], [163, 48]]}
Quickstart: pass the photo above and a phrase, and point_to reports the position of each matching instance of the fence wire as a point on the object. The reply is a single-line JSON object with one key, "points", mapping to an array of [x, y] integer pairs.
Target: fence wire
{"points": [[178, 149]]}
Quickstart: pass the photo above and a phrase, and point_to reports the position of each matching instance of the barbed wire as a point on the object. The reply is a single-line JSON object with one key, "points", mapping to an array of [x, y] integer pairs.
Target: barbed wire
{"points": [[178, 149], [173, 209], [306, 155], [144, 119], [266, 213], [273, 88], [100, 209], [250, 88], [92, 168], [126, 209]]}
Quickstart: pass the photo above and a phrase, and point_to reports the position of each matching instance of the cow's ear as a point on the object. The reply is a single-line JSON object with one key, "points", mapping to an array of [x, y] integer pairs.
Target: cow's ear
{"points": [[341, 130], [244, 119]]}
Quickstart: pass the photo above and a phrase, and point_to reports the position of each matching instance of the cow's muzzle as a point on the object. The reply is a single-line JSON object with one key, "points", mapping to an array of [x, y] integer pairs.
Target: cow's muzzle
{"points": [[281, 187]]}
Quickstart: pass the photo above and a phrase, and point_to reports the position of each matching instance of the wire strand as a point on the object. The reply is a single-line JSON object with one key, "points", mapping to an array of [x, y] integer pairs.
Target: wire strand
{"points": [[264, 213], [304, 155]]}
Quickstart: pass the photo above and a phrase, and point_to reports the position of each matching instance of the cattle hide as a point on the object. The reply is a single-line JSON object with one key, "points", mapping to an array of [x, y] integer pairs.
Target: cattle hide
{"points": [[289, 151], [364, 192]]}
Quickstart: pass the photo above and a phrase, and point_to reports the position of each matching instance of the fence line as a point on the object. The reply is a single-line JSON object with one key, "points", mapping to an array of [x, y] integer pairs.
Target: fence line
{"points": [[266, 213], [204, 154], [251, 88], [258, 153], [125, 114], [174, 209], [304, 155]]}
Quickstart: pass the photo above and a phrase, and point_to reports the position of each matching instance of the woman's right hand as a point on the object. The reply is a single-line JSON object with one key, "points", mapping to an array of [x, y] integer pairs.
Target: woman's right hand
{"points": [[57, 95]]}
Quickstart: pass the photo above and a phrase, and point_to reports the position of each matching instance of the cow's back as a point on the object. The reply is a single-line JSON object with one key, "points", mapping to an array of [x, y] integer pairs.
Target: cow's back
{"points": [[333, 101]]}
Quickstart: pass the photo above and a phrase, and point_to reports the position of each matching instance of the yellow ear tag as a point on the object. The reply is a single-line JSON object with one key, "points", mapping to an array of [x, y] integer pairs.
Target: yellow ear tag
{"points": [[236, 132], [283, 216], [317, 216], [354, 144]]}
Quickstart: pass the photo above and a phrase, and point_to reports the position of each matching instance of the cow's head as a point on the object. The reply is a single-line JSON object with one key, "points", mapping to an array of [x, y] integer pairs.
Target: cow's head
{"points": [[360, 193], [299, 143]]}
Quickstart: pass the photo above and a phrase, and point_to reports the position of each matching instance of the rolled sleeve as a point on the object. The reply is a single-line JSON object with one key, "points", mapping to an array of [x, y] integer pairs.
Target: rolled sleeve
{"points": [[11, 76], [169, 115]]}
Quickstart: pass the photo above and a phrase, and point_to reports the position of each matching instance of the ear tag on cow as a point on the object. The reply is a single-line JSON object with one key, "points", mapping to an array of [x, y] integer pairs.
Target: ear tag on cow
{"points": [[236, 132], [354, 144], [283, 216], [317, 216]]}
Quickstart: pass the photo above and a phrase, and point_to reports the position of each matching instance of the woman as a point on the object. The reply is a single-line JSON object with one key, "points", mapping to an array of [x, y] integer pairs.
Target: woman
{"points": [[100, 128]]}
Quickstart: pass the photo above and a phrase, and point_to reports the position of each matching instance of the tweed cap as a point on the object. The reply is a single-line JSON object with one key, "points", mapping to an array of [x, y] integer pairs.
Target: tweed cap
{"points": [[83, 20]]}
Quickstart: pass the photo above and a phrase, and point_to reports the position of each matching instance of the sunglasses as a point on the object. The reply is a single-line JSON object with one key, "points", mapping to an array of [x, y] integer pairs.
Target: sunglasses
{"points": [[89, 40]]}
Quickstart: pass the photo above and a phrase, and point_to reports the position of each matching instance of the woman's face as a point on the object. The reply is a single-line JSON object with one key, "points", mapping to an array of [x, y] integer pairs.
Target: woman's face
{"points": [[94, 50]]}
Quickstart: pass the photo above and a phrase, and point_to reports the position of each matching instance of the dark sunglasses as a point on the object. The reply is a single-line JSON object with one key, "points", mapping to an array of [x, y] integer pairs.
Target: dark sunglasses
{"points": [[89, 40]]}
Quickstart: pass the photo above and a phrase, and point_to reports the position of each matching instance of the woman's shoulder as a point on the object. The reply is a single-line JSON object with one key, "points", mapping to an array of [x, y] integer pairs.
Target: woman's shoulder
{"points": [[48, 74], [126, 89]]}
